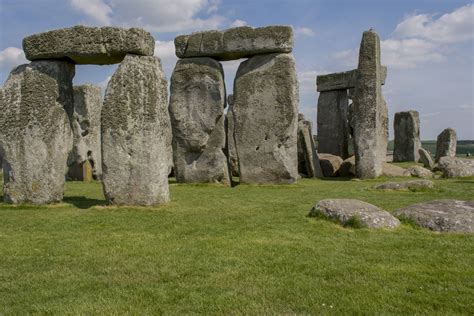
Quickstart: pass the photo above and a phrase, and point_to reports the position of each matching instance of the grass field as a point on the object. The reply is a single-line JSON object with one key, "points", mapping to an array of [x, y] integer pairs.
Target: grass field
{"points": [[242, 250]]}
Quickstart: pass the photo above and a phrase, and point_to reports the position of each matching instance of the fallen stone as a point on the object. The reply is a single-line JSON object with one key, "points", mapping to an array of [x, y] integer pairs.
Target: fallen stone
{"points": [[446, 144], [346, 211], [420, 172], [347, 168], [390, 170], [136, 134], [407, 136], [197, 117], [89, 45], [35, 135], [425, 158], [330, 164], [308, 160], [343, 80], [266, 118], [235, 43], [456, 167], [441, 215], [406, 185]]}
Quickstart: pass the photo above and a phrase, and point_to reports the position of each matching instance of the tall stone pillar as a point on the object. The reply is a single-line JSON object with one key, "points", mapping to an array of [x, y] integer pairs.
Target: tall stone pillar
{"points": [[231, 150], [407, 142], [446, 144]]}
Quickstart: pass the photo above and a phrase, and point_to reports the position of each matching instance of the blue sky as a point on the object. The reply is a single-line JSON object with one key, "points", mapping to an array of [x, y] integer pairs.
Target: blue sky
{"points": [[428, 45]]}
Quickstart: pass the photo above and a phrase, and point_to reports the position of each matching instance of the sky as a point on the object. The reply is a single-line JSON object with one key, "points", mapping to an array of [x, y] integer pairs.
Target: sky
{"points": [[427, 45]]}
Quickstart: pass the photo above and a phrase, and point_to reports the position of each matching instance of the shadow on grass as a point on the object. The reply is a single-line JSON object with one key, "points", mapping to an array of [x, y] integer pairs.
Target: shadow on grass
{"points": [[82, 202]]}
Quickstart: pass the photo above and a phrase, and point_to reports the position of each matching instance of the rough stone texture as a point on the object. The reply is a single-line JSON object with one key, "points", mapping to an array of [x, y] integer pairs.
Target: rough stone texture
{"points": [[233, 160], [345, 210], [420, 172], [136, 134], [308, 160], [407, 136], [390, 170], [333, 126], [441, 215], [370, 110], [446, 144], [266, 118], [197, 117], [425, 158], [85, 123], [412, 184], [347, 168], [330, 164], [35, 135], [235, 43], [456, 167], [342, 80], [89, 45]]}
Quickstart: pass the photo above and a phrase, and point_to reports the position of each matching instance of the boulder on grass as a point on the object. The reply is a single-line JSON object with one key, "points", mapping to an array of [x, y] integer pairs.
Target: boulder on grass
{"points": [[420, 172], [330, 164], [456, 167], [390, 170], [413, 184]]}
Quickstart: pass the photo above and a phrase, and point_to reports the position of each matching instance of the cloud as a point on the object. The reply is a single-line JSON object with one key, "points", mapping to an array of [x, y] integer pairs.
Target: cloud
{"points": [[307, 80], [304, 31], [164, 49], [347, 58], [11, 57], [97, 10], [408, 53], [238, 23]]}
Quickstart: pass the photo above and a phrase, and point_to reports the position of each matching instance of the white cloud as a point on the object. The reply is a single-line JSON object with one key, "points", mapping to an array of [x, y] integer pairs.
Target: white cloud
{"points": [[307, 80], [97, 10], [164, 49], [305, 31], [11, 57], [407, 53], [238, 23], [347, 58]]}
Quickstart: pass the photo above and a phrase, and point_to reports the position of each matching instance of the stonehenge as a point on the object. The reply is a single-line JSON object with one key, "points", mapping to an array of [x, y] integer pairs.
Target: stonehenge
{"points": [[407, 136], [446, 144], [308, 159]]}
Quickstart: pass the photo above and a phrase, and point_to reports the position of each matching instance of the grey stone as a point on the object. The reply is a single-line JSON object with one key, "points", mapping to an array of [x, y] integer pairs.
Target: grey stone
{"points": [[347, 168], [412, 184], [265, 116], [347, 210], [136, 134], [333, 126], [233, 159], [85, 123], [197, 117], [89, 45], [35, 135], [407, 136], [235, 43], [453, 167], [330, 164], [391, 170], [446, 144], [420, 172], [370, 110], [308, 160], [343, 80], [425, 158], [441, 215]]}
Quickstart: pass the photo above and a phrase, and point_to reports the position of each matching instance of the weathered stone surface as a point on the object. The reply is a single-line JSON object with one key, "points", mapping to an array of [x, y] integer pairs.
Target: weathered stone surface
{"points": [[85, 123], [89, 45], [425, 158], [347, 168], [407, 136], [390, 170], [412, 184], [342, 80], [333, 125], [266, 118], [330, 164], [441, 215], [136, 134], [308, 160], [235, 43], [197, 117], [446, 144], [347, 210], [370, 110], [456, 167], [420, 172], [35, 135], [233, 160]]}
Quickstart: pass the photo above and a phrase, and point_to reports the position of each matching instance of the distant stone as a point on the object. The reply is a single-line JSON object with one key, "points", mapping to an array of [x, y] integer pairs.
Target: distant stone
{"points": [[456, 167], [347, 168], [412, 184], [407, 136], [425, 158], [308, 160], [89, 45], [266, 117], [446, 144], [347, 211], [441, 215], [330, 164], [136, 134], [197, 117], [420, 172], [343, 80], [235, 43], [391, 170], [35, 134]]}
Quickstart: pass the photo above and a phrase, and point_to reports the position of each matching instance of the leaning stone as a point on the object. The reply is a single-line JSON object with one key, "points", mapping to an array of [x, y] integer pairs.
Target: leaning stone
{"points": [[136, 134], [407, 136], [308, 160], [265, 116], [235, 43], [370, 110], [343, 80], [412, 184], [89, 45], [197, 117], [390, 170], [35, 135], [441, 215], [330, 164], [346, 211], [446, 144], [425, 158], [456, 167], [420, 172]]}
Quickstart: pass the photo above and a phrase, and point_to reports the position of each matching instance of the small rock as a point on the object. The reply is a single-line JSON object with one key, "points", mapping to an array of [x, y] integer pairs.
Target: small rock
{"points": [[413, 184], [390, 170], [420, 172]]}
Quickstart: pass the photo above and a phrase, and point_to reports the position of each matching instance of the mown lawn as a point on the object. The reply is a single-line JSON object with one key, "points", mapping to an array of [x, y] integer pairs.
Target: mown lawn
{"points": [[241, 250]]}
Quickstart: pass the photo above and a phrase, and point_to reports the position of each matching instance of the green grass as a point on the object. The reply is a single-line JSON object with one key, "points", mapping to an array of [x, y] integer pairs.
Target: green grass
{"points": [[242, 250]]}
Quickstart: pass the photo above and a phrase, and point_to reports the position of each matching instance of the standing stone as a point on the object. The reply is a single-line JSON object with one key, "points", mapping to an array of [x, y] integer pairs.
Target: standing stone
{"points": [[233, 160], [266, 118], [85, 123], [425, 158], [446, 144], [35, 135], [136, 134], [333, 128], [308, 160], [370, 110], [407, 136], [197, 115]]}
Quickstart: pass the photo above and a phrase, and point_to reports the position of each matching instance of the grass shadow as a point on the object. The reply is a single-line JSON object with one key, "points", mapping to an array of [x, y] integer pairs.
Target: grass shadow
{"points": [[83, 202]]}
